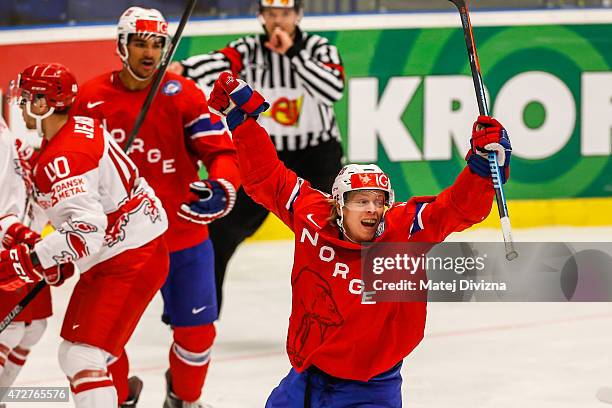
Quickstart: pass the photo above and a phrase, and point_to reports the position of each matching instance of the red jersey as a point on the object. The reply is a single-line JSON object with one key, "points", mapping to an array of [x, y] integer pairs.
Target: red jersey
{"points": [[178, 133], [93, 196], [329, 326]]}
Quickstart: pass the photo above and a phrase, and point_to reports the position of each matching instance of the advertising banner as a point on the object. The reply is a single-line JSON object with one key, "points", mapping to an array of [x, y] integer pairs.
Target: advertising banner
{"points": [[409, 101]]}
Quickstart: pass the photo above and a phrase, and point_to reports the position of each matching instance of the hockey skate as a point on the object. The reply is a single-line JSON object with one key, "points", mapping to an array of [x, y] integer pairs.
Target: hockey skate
{"points": [[135, 386], [172, 401]]}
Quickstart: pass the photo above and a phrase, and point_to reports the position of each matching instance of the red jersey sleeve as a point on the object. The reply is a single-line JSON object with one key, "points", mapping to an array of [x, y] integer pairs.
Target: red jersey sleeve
{"points": [[208, 138], [80, 105], [466, 202], [235, 59], [266, 179]]}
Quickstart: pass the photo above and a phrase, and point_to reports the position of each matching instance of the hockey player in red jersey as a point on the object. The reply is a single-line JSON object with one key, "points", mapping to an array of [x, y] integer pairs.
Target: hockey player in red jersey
{"points": [[178, 133], [107, 220], [345, 352], [25, 331], [302, 75]]}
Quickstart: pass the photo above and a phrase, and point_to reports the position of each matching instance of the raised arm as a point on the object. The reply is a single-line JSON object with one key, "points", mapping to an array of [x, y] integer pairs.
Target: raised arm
{"points": [[264, 176], [469, 199]]}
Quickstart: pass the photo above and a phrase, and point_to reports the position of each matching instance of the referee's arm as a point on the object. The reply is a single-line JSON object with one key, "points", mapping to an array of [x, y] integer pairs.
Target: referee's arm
{"points": [[319, 68], [205, 69]]}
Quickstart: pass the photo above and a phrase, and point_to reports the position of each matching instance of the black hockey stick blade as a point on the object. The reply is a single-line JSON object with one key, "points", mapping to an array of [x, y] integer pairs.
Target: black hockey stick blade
{"points": [[8, 319], [470, 44], [160, 73]]}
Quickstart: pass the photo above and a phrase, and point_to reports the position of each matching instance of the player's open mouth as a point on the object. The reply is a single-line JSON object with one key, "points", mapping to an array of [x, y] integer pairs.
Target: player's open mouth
{"points": [[147, 63], [370, 222]]}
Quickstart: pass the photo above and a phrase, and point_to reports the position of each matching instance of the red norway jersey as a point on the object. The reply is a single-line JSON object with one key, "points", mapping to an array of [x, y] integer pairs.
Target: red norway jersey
{"points": [[329, 326], [178, 132]]}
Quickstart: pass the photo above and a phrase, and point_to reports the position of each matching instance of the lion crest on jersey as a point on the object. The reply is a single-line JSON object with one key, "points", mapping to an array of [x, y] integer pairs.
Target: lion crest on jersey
{"points": [[317, 312], [74, 231], [115, 232], [22, 165]]}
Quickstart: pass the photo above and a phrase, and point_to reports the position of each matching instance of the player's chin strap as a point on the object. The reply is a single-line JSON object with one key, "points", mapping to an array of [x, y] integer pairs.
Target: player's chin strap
{"points": [[124, 55], [124, 58], [343, 231], [38, 118]]}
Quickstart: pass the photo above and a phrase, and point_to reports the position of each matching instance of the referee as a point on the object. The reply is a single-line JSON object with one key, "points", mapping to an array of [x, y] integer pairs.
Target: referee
{"points": [[301, 75]]}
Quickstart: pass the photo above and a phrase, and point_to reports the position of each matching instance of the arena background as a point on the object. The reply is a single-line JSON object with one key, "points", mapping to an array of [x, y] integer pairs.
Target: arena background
{"points": [[408, 105], [409, 101]]}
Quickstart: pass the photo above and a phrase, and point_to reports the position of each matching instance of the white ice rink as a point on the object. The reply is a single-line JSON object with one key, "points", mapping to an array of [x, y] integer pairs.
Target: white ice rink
{"points": [[474, 355]]}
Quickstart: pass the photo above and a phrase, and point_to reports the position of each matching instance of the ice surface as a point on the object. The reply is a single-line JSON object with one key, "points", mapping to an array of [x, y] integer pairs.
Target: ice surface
{"points": [[474, 355]]}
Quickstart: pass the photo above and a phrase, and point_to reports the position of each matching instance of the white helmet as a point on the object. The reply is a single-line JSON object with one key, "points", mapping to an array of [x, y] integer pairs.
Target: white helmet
{"points": [[354, 177], [138, 20]]}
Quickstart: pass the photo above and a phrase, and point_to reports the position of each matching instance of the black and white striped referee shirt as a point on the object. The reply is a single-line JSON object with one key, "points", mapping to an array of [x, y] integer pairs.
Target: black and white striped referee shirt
{"points": [[301, 85]]}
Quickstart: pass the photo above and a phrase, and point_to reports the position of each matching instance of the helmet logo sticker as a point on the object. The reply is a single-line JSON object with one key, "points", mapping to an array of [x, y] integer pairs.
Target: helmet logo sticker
{"points": [[374, 180], [152, 26], [277, 3]]}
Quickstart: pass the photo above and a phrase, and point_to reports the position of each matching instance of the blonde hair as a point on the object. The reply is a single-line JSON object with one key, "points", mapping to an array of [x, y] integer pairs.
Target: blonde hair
{"points": [[334, 215]]}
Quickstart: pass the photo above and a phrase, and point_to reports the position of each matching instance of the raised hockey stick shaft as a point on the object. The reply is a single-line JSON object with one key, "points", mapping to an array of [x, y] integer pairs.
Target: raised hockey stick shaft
{"points": [[160, 73], [484, 110], [6, 321], [21, 305]]}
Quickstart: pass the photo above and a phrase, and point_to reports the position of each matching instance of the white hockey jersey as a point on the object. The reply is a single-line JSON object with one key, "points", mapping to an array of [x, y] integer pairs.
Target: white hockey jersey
{"points": [[13, 194], [93, 196]]}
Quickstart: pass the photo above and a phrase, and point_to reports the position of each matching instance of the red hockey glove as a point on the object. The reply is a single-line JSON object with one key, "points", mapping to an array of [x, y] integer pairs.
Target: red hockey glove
{"points": [[17, 233], [17, 269], [235, 99], [489, 135], [209, 200]]}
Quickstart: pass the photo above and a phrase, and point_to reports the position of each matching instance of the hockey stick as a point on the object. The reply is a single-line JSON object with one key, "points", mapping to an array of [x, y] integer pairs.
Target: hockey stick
{"points": [[6, 321], [160, 73], [139, 120], [484, 110], [31, 294], [22, 305]]}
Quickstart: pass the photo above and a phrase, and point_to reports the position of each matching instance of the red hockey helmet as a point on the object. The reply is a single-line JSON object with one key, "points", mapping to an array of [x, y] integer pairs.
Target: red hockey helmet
{"points": [[52, 81]]}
